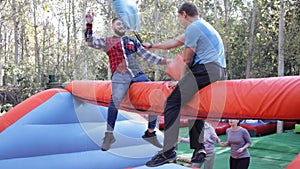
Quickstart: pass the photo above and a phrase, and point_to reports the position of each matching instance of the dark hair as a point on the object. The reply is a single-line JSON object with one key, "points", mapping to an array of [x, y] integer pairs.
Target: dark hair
{"points": [[239, 123], [114, 20], [189, 8]]}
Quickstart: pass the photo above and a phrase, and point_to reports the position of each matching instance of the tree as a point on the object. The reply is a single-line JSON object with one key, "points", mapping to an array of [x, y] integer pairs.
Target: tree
{"points": [[251, 38], [16, 36], [1, 45], [46, 37], [36, 42], [280, 53], [292, 36]]}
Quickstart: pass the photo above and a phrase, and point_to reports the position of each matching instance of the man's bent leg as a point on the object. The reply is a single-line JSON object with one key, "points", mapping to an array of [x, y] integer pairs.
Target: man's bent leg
{"points": [[182, 93], [196, 131], [151, 136], [120, 85], [152, 120]]}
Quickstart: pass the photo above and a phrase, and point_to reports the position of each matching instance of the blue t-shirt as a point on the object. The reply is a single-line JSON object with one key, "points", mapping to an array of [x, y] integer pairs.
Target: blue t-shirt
{"points": [[207, 41]]}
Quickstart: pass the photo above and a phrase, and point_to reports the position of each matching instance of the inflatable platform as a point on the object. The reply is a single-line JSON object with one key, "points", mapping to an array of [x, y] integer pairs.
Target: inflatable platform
{"points": [[63, 128], [52, 129]]}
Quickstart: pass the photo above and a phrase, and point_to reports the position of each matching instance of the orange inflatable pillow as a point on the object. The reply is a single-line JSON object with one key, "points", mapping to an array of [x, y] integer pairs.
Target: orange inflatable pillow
{"points": [[176, 69]]}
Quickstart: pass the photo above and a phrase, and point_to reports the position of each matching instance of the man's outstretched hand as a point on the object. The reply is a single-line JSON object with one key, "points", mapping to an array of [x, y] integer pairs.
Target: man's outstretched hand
{"points": [[89, 17], [147, 45]]}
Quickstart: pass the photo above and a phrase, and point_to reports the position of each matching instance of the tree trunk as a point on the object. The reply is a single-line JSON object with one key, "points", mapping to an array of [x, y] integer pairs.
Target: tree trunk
{"points": [[22, 39], [109, 15], [202, 10], [5, 56], [77, 70], [58, 48], [215, 10], [50, 57], [16, 37], [250, 47], [1, 49], [156, 17], [67, 15], [36, 43], [227, 46], [281, 53], [43, 63], [83, 57]]}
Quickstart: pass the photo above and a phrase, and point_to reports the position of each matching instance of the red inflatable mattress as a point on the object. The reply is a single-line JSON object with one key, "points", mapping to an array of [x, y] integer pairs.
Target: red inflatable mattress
{"points": [[266, 98]]}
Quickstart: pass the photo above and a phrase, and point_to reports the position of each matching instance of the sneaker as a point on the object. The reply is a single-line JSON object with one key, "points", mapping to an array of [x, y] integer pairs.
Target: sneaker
{"points": [[108, 140], [151, 138], [162, 158], [196, 165], [198, 156]]}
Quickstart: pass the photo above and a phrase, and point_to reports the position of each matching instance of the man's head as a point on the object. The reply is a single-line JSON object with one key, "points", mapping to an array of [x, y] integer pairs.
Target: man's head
{"points": [[118, 27], [186, 13]]}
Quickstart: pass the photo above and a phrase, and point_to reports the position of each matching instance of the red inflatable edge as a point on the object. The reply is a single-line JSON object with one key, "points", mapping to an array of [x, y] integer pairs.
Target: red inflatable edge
{"points": [[295, 164], [26, 106]]}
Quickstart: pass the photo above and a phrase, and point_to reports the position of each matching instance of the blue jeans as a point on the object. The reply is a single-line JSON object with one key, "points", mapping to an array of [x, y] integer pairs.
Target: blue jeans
{"points": [[120, 86]]}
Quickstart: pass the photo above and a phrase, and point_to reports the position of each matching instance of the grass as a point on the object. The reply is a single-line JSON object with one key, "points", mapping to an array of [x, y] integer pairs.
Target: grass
{"points": [[273, 151]]}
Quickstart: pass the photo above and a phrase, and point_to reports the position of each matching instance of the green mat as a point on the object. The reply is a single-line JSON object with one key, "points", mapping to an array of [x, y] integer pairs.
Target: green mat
{"points": [[273, 151]]}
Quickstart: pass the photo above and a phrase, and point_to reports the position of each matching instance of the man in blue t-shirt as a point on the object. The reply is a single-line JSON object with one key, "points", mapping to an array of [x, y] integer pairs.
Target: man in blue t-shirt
{"points": [[205, 62]]}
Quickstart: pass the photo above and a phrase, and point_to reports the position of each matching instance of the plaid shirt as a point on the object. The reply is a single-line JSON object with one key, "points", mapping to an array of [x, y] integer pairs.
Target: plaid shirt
{"points": [[122, 53]]}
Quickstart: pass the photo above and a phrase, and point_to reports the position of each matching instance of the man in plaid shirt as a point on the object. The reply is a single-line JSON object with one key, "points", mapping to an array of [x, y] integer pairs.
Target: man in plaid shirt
{"points": [[122, 51]]}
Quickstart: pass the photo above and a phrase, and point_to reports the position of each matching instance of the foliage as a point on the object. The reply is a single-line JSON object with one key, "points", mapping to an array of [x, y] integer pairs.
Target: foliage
{"points": [[5, 108], [55, 43], [25, 78]]}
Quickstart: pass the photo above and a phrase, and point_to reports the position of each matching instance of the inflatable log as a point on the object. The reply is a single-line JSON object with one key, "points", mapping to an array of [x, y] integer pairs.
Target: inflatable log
{"points": [[275, 98]]}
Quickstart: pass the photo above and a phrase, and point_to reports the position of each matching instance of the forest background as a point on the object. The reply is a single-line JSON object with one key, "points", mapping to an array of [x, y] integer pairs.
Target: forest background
{"points": [[41, 39]]}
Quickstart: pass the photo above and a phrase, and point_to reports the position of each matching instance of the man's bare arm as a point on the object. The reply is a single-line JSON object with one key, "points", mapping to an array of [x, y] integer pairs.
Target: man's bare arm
{"points": [[168, 44], [188, 55]]}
